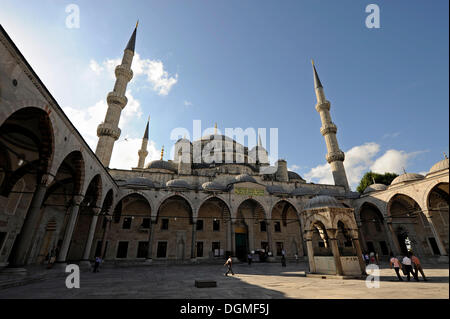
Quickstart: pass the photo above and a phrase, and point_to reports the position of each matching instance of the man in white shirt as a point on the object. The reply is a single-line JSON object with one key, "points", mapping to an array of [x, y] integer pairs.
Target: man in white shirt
{"points": [[408, 267]]}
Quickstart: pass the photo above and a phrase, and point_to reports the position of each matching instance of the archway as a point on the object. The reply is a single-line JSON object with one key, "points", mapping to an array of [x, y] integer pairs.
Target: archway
{"points": [[286, 230], [438, 207], [373, 231], [174, 232], [131, 226], [411, 228], [26, 153], [250, 229], [213, 238]]}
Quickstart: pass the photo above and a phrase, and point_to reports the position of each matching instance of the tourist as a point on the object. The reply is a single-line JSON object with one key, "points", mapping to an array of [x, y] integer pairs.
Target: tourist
{"points": [[296, 258], [249, 259], [397, 266], [98, 260], [229, 264], [408, 267], [417, 267], [372, 257], [366, 258], [283, 261]]}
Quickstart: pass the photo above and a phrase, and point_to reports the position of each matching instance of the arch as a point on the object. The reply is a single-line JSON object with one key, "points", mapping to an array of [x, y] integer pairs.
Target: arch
{"points": [[181, 197], [347, 220], [217, 198], [257, 205], [119, 206], [442, 188], [26, 137], [108, 201], [93, 193]]}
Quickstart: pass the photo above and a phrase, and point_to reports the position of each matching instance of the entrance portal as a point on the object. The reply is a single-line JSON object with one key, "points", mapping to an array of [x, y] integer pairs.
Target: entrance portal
{"points": [[241, 246]]}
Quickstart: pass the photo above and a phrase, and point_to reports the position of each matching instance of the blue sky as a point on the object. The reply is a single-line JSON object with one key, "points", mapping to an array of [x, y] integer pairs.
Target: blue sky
{"points": [[247, 64]]}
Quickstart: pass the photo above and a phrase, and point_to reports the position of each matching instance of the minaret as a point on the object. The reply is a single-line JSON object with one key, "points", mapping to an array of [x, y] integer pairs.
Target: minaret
{"points": [[143, 151], [335, 156], [108, 131]]}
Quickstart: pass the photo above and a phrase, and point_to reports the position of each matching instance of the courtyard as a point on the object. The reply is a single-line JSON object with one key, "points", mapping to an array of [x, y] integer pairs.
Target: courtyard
{"points": [[258, 281]]}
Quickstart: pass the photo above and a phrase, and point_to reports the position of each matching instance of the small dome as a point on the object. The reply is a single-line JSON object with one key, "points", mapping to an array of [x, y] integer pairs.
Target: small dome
{"points": [[178, 183], [294, 176], [159, 164], [322, 201], [213, 186], [244, 178], [276, 189], [439, 166], [408, 177], [374, 188], [139, 181]]}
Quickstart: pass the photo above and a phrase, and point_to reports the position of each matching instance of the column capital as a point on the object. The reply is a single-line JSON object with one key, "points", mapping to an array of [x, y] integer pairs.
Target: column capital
{"points": [[47, 179], [77, 199], [96, 210]]}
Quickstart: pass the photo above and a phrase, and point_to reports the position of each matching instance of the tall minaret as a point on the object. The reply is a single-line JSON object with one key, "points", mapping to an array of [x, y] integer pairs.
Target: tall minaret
{"points": [[143, 151], [108, 131], [335, 156]]}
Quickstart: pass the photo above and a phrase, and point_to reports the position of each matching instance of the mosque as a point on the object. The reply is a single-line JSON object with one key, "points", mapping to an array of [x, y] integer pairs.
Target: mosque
{"points": [[59, 197]]}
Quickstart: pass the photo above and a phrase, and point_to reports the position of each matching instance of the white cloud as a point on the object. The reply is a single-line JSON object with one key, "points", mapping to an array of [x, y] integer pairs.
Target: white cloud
{"points": [[293, 167], [187, 103], [156, 75], [359, 160], [127, 149]]}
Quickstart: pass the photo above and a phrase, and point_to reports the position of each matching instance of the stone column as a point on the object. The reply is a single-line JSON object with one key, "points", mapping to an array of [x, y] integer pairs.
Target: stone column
{"points": [[251, 235], [441, 247], [361, 235], [358, 250], [194, 235], [228, 235], [150, 241], [31, 222], [335, 250], [77, 199], [105, 235], [391, 235], [233, 240], [92, 227], [269, 236], [310, 249]]}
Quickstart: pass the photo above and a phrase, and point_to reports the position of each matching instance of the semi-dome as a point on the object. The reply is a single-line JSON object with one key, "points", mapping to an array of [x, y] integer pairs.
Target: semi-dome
{"points": [[293, 176], [439, 166], [213, 186], [178, 183], [322, 201], [407, 177], [160, 164], [244, 178], [276, 189], [374, 188], [139, 181]]}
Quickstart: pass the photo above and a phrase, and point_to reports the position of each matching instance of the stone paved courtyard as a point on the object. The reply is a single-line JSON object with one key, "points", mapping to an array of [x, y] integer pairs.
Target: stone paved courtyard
{"points": [[260, 281]]}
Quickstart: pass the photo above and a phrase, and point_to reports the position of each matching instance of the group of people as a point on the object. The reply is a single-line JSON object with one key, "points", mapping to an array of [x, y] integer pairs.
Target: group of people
{"points": [[410, 265], [371, 258]]}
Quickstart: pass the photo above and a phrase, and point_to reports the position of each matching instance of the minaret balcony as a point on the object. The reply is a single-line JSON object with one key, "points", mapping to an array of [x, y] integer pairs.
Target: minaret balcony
{"points": [[328, 128], [143, 153], [124, 71], [323, 106], [115, 98], [105, 129], [335, 156]]}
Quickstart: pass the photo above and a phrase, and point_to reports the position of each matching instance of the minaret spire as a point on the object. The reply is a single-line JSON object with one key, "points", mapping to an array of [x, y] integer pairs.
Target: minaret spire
{"points": [[335, 157], [109, 131], [143, 151]]}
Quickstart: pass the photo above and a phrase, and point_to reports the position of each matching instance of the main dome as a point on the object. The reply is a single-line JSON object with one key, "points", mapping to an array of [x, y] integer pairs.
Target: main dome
{"points": [[159, 164]]}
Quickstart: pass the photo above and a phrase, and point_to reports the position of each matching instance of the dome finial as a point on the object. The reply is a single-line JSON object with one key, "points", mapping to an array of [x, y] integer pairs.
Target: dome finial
{"points": [[162, 152], [215, 128], [445, 156]]}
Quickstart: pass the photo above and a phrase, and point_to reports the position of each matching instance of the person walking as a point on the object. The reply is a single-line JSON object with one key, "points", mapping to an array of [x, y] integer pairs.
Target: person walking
{"points": [[366, 258], [397, 266], [296, 258], [249, 259], [417, 267], [229, 264], [98, 260], [283, 261], [408, 267]]}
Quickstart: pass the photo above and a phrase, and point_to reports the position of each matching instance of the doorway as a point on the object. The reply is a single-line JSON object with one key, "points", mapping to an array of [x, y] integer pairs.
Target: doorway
{"points": [[241, 246]]}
